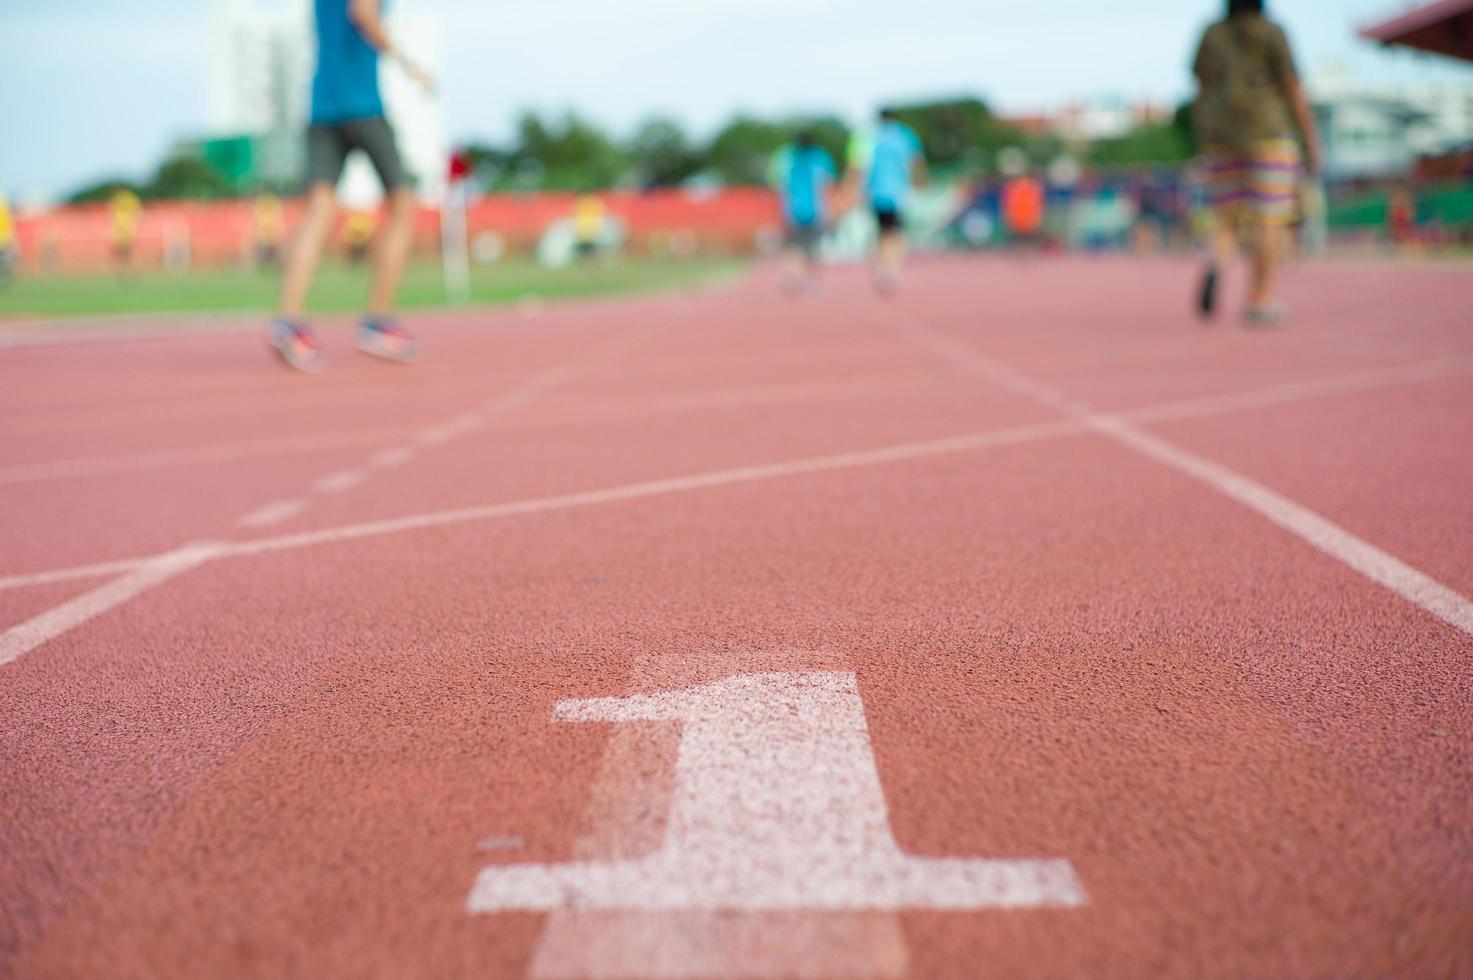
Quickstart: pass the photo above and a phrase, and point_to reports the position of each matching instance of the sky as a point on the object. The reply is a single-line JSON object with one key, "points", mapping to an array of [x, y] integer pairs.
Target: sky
{"points": [[97, 88]]}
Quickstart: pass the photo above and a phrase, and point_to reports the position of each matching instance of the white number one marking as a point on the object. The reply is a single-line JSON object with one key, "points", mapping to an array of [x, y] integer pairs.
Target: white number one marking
{"points": [[777, 807]]}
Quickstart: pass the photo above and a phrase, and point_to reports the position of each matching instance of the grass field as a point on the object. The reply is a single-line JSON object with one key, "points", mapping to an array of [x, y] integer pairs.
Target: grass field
{"points": [[340, 289]]}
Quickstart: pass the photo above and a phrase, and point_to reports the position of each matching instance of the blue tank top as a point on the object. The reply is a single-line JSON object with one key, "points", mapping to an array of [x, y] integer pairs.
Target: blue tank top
{"points": [[345, 86]]}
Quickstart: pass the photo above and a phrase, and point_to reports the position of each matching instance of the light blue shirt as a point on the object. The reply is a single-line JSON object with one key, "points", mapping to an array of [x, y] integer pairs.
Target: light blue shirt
{"points": [[345, 86], [887, 155], [803, 175]]}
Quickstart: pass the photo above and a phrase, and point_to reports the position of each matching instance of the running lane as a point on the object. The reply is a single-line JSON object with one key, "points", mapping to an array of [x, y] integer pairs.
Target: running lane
{"points": [[324, 755]]}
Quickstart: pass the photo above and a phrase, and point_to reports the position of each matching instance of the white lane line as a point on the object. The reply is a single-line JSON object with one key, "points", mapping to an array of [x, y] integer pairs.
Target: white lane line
{"points": [[164, 459], [1194, 408], [1289, 392], [657, 488], [1379, 566], [20, 640], [1328, 537], [274, 513], [391, 458], [438, 435], [339, 482], [99, 570]]}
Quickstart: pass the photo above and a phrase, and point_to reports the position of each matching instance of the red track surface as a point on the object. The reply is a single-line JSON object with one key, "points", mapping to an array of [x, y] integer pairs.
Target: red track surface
{"points": [[295, 761]]}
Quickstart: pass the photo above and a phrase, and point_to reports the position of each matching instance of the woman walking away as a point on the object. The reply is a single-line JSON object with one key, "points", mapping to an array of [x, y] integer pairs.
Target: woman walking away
{"points": [[1250, 108]]}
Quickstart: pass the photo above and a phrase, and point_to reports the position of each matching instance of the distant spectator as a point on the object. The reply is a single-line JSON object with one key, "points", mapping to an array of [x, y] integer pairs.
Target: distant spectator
{"points": [[8, 254], [1401, 218], [1249, 109], [270, 230], [126, 211], [1022, 210], [590, 215]]}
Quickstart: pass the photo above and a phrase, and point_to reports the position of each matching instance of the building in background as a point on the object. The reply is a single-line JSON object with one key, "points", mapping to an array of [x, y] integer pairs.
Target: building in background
{"points": [[1381, 131], [261, 64]]}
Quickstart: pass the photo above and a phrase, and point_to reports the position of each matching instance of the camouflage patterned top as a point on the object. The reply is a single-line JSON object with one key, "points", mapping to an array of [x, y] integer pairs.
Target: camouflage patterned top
{"points": [[1244, 67]]}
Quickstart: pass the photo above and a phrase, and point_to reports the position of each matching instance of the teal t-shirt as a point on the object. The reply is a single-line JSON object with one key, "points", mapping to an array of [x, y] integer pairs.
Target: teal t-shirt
{"points": [[887, 154], [802, 175], [345, 86]]}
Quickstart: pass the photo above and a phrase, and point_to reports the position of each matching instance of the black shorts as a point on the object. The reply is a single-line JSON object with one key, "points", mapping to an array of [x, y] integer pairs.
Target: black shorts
{"points": [[889, 220], [328, 147], [805, 238]]}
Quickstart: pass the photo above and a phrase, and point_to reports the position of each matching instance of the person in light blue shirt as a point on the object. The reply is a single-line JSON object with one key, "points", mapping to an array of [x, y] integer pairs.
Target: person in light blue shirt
{"points": [[348, 116], [803, 172], [888, 162]]}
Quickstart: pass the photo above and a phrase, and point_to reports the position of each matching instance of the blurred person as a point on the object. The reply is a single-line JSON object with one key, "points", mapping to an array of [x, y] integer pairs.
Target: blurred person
{"points": [[1022, 210], [589, 217], [803, 173], [348, 115], [126, 211], [1249, 109], [270, 226], [887, 163], [358, 235], [9, 254], [1401, 218]]}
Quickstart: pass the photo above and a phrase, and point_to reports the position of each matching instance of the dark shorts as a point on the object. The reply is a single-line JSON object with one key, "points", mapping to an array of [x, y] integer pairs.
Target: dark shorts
{"points": [[889, 219], [328, 147], [805, 238]]}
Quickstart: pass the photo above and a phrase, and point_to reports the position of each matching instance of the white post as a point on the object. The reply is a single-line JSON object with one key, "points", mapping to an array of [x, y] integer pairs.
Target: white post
{"points": [[455, 241]]}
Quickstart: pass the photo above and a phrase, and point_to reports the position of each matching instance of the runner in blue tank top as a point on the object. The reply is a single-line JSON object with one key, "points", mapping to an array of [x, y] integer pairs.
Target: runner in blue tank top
{"points": [[887, 162], [348, 115]]}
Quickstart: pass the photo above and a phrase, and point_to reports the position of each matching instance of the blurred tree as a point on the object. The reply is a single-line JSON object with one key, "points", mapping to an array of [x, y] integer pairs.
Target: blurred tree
{"points": [[1166, 142], [662, 155], [958, 132], [571, 154], [103, 191], [187, 177], [741, 151]]}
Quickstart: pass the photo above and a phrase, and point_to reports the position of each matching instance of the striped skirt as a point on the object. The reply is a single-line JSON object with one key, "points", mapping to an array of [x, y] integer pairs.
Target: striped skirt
{"points": [[1258, 183]]}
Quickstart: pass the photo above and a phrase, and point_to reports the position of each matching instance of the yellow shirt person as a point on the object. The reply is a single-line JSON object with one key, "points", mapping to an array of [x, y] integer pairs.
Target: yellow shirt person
{"points": [[126, 210], [589, 216], [7, 226]]}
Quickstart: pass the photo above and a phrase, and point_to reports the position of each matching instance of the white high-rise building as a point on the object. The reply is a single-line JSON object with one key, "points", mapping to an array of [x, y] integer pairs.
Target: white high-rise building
{"points": [[261, 64], [260, 68]]}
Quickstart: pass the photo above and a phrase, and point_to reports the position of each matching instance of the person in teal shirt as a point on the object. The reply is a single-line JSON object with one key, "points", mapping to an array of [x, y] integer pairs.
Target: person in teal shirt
{"points": [[888, 162], [803, 172], [347, 116]]}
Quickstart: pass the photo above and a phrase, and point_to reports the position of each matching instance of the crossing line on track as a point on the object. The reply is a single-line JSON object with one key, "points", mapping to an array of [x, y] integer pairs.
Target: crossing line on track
{"points": [[1328, 537], [1365, 558]]}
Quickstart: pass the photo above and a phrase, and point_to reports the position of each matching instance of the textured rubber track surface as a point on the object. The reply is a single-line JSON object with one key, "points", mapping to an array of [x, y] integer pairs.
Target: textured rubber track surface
{"points": [[297, 759]]}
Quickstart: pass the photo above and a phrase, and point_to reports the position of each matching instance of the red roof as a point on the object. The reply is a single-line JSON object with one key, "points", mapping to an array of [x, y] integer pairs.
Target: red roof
{"points": [[1444, 27]]}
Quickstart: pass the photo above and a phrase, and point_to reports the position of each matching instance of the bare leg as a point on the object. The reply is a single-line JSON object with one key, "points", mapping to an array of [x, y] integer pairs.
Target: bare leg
{"points": [[306, 252], [1268, 251], [889, 259], [393, 252], [792, 275], [1224, 243]]}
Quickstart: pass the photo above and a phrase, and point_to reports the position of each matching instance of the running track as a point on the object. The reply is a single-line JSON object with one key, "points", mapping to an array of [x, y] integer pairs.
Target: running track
{"points": [[1017, 627]]}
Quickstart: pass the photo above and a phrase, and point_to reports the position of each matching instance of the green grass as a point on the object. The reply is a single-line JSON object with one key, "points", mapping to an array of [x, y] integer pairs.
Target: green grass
{"points": [[340, 290]]}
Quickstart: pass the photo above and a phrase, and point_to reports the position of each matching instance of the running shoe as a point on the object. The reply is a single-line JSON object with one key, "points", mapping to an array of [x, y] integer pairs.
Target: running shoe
{"points": [[296, 345], [1268, 316], [382, 337], [1207, 298]]}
